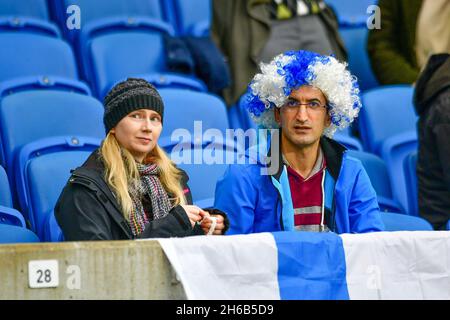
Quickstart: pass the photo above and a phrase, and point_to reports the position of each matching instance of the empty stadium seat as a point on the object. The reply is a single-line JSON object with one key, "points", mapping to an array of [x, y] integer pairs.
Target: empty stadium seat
{"points": [[183, 107], [193, 17], [105, 62], [11, 217], [42, 83], [169, 81], [394, 151], [24, 8], [402, 222], [13, 234], [379, 177], [409, 165], [348, 141], [32, 115], [355, 39], [386, 111], [28, 54], [213, 158], [92, 11], [43, 170], [350, 12], [5, 190], [29, 25]]}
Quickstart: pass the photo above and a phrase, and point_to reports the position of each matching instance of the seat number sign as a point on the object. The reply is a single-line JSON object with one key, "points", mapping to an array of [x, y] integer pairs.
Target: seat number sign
{"points": [[43, 274]]}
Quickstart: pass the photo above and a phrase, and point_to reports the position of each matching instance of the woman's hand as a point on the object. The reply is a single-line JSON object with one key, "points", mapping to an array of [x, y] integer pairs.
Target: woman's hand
{"points": [[195, 214], [207, 223]]}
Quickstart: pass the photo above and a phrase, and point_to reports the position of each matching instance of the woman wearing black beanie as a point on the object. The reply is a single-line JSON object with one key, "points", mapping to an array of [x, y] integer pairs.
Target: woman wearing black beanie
{"points": [[129, 188]]}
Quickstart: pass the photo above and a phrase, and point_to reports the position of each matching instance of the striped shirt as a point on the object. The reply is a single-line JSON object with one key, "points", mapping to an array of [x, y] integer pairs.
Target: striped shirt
{"points": [[307, 196]]}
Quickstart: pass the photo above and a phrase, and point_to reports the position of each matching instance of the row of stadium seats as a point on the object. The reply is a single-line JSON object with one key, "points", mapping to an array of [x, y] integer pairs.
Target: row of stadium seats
{"points": [[105, 59], [50, 122], [177, 13], [143, 26]]}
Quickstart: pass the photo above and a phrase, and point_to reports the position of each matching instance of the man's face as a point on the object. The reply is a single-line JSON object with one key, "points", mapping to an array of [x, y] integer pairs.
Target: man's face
{"points": [[303, 117]]}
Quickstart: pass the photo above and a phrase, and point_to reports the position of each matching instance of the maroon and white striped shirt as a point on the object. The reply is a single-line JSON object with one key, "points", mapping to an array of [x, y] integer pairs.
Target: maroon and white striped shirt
{"points": [[307, 197]]}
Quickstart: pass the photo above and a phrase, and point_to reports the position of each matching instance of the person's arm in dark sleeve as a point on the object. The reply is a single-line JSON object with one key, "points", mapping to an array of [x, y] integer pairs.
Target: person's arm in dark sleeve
{"points": [[388, 64], [175, 224], [442, 134], [81, 216]]}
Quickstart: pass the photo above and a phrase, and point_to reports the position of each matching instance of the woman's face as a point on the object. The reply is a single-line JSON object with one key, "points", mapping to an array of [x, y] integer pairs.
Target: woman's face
{"points": [[138, 132]]}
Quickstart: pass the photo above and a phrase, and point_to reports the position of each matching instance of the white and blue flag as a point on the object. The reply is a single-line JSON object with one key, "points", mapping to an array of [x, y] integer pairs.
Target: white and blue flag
{"points": [[306, 265]]}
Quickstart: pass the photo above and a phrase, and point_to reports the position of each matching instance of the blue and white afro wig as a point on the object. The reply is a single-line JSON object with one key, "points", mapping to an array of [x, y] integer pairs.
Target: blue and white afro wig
{"points": [[293, 69]]}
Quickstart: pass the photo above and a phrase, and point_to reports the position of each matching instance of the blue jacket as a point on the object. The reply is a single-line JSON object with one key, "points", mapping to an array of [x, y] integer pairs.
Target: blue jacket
{"points": [[256, 202]]}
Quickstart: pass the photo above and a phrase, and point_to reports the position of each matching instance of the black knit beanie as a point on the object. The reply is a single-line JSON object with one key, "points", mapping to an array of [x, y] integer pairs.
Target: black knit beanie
{"points": [[127, 96]]}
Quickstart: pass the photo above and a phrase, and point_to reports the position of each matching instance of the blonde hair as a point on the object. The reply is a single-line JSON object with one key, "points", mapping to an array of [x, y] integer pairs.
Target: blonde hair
{"points": [[121, 170]]}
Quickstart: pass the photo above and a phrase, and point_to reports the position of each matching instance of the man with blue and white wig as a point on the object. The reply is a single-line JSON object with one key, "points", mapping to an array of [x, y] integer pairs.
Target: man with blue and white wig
{"points": [[316, 185]]}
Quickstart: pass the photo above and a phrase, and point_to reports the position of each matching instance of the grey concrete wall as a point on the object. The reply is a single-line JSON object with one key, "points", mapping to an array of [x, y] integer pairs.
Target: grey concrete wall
{"points": [[91, 270]]}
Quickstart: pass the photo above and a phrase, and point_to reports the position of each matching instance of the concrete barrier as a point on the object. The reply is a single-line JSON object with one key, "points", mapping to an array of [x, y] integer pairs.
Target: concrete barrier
{"points": [[90, 270]]}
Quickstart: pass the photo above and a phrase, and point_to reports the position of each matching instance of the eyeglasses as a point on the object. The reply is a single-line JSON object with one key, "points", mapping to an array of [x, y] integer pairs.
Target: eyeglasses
{"points": [[293, 105]]}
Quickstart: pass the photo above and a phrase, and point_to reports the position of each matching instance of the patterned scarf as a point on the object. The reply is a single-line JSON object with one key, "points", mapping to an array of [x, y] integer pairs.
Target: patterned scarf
{"points": [[149, 185]]}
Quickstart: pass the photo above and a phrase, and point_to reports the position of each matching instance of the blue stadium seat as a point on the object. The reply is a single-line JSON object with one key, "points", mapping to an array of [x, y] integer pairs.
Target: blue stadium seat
{"points": [[350, 12], [92, 11], [355, 39], [13, 234], [394, 151], [28, 54], [52, 230], [43, 170], [24, 8], [402, 222], [193, 16], [170, 81], [378, 174], [105, 63], [11, 217], [29, 25], [409, 165], [386, 111], [5, 190], [203, 176], [32, 115], [348, 141], [42, 83], [183, 107]]}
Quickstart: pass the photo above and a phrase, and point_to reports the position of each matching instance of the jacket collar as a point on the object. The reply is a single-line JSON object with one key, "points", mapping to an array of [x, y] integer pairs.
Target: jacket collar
{"points": [[332, 151]]}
